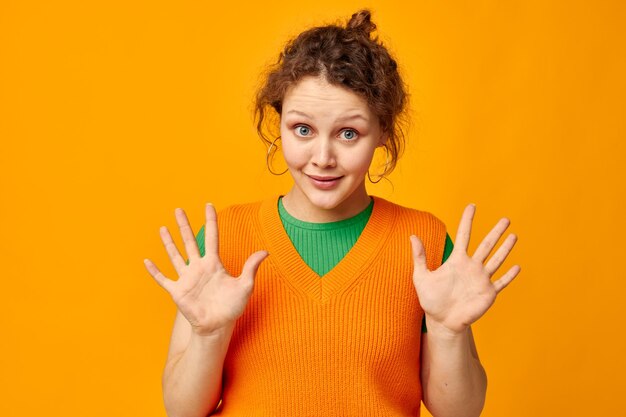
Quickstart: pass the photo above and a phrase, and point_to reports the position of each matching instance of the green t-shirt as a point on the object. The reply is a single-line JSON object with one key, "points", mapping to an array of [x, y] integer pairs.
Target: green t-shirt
{"points": [[323, 245]]}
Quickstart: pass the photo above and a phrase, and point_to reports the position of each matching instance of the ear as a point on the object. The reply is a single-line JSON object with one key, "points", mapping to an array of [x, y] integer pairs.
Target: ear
{"points": [[383, 139]]}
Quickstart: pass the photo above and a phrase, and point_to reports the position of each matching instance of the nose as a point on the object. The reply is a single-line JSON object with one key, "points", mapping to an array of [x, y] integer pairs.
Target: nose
{"points": [[324, 153]]}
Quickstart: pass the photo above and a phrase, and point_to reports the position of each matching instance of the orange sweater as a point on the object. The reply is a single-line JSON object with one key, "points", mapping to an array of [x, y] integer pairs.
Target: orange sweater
{"points": [[346, 344]]}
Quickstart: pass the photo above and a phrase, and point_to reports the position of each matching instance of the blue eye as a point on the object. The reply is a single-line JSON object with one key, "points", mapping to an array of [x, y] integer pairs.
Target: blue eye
{"points": [[349, 134], [303, 130]]}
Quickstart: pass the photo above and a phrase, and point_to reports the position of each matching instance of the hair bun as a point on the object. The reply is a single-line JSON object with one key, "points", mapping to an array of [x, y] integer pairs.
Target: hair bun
{"points": [[360, 22]]}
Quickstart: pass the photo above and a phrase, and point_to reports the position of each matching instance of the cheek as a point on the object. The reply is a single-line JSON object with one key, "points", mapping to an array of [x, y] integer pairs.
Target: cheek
{"points": [[293, 155], [360, 160]]}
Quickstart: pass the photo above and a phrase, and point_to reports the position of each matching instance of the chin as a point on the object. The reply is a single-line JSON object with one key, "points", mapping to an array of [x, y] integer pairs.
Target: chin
{"points": [[328, 202], [331, 199]]}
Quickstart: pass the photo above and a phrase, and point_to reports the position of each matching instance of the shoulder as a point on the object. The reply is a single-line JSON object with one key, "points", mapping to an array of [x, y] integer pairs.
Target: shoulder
{"points": [[239, 210], [402, 222], [406, 221], [409, 215], [237, 218], [251, 216], [256, 211]]}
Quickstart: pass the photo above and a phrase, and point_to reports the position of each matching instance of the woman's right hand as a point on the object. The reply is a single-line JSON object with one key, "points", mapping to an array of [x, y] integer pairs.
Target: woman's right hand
{"points": [[208, 297]]}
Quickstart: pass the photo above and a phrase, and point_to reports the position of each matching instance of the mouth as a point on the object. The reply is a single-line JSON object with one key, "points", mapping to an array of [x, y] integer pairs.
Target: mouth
{"points": [[324, 182], [321, 178]]}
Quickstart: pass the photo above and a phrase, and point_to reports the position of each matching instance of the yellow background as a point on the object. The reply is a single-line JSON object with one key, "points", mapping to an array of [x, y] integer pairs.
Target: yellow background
{"points": [[114, 113]]}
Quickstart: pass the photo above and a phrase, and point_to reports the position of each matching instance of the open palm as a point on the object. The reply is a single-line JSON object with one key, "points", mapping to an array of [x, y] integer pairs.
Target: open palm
{"points": [[208, 297], [460, 291]]}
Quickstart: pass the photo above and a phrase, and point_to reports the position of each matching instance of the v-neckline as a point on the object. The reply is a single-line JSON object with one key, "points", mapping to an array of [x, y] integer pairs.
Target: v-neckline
{"points": [[286, 259]]}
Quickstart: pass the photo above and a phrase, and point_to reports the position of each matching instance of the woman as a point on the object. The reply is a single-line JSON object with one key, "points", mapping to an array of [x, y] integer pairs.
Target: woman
{"points": [[311, 303]]}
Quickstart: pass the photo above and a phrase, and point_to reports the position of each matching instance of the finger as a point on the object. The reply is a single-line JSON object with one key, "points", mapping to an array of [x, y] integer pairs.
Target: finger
{"points": [[507, 278], [252, 264], [419, 256], [211, 237], [189, 240], [172, 250], [158, 276], [465, 228], [498, 258], [490, 241]]}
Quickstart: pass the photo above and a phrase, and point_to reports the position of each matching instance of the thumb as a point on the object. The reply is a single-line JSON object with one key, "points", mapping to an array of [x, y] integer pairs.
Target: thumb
{"points": [[419, 256], [252, 264]]}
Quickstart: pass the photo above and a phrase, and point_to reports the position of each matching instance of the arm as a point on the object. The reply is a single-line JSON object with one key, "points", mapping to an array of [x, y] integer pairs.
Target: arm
{"points": [[192, 378], [453, 297], [209, 302], [466, 369], [454, 382]]}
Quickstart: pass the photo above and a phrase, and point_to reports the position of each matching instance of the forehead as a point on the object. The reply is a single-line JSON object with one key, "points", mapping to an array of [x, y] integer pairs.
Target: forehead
{"points": [[314, 94]]}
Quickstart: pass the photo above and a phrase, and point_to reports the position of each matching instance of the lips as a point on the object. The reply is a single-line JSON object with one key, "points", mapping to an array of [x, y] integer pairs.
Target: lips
{"points": [[324, 182], [321, 178]]}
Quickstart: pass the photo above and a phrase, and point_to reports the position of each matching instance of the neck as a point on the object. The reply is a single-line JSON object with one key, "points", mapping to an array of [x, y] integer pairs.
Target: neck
{"points": [[299, 206]]}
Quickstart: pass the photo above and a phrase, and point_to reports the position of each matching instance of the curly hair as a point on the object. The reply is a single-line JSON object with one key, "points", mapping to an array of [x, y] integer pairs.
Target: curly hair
{"points": [[346, 56]]}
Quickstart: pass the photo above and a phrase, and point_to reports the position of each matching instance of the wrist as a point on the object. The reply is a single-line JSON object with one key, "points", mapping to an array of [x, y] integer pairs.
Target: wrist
{"points": [[214, 336], [443, 330]]}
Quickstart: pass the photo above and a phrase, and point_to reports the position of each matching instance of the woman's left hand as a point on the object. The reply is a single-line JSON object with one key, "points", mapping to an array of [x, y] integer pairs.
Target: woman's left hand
{"points": [[460, 291]]}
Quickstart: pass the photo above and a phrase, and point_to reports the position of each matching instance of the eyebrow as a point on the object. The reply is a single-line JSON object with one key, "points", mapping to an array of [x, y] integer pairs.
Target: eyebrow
{"points": [[341, 119]]}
